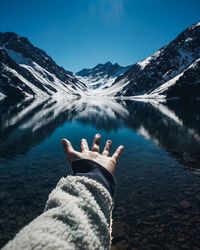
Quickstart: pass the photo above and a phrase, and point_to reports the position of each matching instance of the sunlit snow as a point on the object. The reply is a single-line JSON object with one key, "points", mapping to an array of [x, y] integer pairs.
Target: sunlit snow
{"points": [[147, 60]]}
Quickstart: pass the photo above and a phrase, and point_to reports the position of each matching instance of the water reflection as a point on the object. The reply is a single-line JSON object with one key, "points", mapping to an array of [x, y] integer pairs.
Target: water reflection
{"points": [[174, 126], [157, 201]]}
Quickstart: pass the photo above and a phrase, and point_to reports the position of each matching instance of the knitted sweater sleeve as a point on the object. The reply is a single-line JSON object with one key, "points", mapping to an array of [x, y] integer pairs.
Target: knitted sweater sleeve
{"points": [[77, 215]]}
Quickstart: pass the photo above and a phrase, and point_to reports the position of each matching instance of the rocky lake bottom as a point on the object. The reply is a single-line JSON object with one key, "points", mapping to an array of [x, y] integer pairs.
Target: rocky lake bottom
{"points": [[157, 203]]}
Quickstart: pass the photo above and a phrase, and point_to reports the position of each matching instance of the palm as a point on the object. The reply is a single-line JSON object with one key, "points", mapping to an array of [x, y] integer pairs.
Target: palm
{"points": [[103, 159]]}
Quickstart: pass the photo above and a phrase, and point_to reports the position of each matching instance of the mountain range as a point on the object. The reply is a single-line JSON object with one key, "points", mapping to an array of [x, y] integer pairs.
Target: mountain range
{"points": [[172, 71], [102, 75], [28, 71]]}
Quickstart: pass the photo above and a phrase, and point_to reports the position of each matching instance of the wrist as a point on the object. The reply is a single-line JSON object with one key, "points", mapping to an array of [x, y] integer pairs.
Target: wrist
{"points": [[93, 170]]}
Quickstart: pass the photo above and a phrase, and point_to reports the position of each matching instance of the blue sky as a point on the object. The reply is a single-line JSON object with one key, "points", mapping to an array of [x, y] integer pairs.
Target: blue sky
{"points": [[82, 33]]}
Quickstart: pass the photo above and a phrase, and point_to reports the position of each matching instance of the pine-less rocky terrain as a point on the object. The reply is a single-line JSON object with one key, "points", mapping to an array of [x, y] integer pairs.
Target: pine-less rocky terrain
{"points": [[102, 75], [26, 70], [172, 71]]}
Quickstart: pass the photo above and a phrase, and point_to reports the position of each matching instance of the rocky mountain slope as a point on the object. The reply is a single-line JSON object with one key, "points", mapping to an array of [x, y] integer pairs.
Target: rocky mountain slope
{"points": [[171, 71], [171, 65], [102, 75], [188, 85], [28, 71]]}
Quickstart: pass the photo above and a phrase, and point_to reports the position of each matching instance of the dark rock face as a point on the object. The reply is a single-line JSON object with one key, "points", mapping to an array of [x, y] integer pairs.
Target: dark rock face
{"points": [[27, 70], [165, 64], [188, 85], [102, 69]]}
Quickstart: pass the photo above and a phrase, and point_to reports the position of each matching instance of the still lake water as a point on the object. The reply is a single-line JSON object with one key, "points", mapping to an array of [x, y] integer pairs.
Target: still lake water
{"points": [[157, 205]]}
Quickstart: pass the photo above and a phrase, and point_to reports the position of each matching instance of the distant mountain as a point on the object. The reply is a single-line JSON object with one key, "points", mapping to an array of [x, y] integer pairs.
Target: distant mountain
{"points": [[28, 71], [172, 71], [102, 75]]}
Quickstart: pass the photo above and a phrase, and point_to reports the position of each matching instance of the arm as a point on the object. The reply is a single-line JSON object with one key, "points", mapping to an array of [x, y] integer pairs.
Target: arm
{"points": [[78, 212]]}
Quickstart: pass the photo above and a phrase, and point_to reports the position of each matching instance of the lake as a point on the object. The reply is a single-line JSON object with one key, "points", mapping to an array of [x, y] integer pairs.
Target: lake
{"points": [[157, 204]]}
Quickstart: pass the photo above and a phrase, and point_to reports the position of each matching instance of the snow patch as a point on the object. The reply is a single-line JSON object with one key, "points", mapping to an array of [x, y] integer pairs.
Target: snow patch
{"points": [[109, 92], [36, 90], [97, 82], [195, 25], [146, 61], [165, 86], [42, 75], [189, 39], [16, 56], [48, 81]]}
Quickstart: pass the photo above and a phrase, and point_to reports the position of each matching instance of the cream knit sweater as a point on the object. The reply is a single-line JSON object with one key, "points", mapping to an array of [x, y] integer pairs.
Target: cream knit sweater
{"points": [[77, 216]]}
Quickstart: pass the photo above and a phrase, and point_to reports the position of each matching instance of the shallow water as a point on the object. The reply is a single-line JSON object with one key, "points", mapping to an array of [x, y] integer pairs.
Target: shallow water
{"points": [[158, 193]]}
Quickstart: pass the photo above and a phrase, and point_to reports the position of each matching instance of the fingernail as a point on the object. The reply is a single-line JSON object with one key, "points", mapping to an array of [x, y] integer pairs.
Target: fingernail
{"points": [[98, 135], [62, 140], [65, 142]]}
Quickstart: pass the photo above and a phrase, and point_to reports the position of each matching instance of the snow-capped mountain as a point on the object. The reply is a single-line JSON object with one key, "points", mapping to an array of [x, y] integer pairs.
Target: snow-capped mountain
{"points": [[169, 72], [172, 71], [184, 85], [101, 76], [28, 71]]}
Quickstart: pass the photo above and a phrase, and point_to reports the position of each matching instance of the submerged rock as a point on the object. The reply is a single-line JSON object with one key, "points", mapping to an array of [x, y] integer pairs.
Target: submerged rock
{"points": [[184, 204]]}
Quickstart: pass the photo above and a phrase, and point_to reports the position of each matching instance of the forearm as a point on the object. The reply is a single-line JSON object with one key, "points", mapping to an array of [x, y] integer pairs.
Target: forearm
{"points": [[85, 205], [77, 216]]}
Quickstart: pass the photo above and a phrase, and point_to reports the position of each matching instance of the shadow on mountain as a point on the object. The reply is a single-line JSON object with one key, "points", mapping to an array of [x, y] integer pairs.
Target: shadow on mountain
{"points": [[174, 125]]}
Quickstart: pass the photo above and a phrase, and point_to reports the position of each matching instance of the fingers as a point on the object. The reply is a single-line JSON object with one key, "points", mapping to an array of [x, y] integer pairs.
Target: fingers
{"points": [[107, 148], [96, 142], [84, 145], [117, 153], [67, 146], [72, 155]]}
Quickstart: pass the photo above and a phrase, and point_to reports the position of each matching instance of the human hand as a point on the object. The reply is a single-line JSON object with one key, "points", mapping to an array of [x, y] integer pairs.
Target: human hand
{"points": [[106, 161]]}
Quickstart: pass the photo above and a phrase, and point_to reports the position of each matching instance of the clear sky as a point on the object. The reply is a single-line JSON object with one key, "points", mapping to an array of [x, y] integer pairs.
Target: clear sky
{"points": [[83, 33]]}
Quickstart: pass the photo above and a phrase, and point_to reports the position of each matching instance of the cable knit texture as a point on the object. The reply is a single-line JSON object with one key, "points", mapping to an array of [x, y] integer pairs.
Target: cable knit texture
{"points": [[77, 216]]}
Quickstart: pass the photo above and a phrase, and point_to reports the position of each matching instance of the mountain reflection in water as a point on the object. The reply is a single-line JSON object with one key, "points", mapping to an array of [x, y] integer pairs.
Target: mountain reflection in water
{"points": [[157, 201], [174, 126]]}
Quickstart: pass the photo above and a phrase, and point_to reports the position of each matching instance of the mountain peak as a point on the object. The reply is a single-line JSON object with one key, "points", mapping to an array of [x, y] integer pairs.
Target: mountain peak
{"points": [[171, 65], [102, 75], [108, 63], [29, 71], [195, 25], [8, 37]]}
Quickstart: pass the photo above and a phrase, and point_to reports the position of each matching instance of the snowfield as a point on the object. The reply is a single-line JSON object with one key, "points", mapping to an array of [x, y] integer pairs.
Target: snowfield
{"points": [[100, 82]]}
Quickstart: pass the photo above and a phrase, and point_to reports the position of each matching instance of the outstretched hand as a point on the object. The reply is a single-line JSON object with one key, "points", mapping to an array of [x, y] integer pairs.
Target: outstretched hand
{"points": [[106, 161]]}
